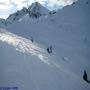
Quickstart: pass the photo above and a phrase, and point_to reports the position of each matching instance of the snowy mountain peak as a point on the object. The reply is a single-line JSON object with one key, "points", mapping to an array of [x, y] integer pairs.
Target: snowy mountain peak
{"points": [[16, 16], [36, 10]]}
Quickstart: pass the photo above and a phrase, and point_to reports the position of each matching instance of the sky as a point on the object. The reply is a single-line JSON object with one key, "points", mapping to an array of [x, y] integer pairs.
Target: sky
{"points": [[10, 6]]}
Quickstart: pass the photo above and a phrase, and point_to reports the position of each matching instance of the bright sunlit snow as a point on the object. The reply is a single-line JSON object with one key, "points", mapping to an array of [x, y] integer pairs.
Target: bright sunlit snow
{"points": [[23, 45]]}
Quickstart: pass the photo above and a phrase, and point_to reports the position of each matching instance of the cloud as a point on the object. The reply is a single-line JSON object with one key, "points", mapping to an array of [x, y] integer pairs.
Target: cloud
{"points": [[55, 4], [10, 6]]}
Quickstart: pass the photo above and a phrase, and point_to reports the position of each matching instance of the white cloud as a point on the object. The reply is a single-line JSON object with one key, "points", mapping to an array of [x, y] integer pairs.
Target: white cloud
{"points": [[10, 6], [55, 4]]}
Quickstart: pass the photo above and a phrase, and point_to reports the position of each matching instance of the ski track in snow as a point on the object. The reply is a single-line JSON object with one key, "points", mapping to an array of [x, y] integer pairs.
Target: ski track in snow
{"points": [[24, 45]]}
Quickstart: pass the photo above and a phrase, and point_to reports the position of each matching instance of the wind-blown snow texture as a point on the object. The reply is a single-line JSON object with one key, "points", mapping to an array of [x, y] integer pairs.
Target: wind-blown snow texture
{"points": [[29, 66]]}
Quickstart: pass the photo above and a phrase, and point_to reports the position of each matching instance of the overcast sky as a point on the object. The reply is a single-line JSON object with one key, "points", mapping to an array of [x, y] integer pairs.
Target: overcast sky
{"points": [[9, 6]]}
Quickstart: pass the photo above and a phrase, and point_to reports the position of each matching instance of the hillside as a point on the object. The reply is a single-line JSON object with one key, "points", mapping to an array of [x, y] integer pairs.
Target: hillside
{"points": [[25, 62]]}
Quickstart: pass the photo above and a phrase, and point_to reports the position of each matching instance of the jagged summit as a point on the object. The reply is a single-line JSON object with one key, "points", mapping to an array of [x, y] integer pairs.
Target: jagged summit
{"points": [[36, 10]]}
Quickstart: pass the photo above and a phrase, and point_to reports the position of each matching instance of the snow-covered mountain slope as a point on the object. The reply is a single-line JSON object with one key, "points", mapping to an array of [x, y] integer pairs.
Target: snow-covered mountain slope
{"points": [[27, 72], [2, 22], [29, 66], [16, 16], [13, 17]]}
